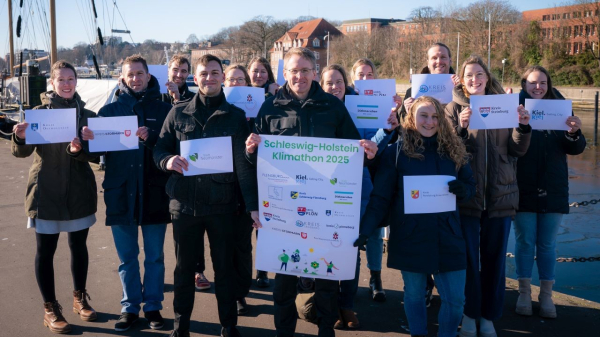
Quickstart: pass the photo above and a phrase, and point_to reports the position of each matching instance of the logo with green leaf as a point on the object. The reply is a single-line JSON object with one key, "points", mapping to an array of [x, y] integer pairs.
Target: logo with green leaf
{"points": [[194, 156], [333, 181]]}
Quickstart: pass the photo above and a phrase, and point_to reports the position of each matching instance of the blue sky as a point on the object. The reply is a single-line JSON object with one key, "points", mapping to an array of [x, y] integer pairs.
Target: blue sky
{"points": [[172, 20]]}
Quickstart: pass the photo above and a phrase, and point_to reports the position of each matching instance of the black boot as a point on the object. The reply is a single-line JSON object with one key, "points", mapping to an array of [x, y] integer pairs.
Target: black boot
{"points": [[262, 279], [375, 286]]}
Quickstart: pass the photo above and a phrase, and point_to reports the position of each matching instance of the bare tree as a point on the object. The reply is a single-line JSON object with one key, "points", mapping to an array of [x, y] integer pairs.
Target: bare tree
{"points": [[260, 33], [192, 39], [426, 17]]}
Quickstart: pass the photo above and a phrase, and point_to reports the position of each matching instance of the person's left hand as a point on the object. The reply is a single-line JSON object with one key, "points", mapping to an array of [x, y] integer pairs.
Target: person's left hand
{"points": [[523, 115], [457, 188], [370, 148], [75, 145], [397, 99], [455, 79], [142, 132], [273, 88], [393, 121], [361, 242], [256, 219], [574, 123]]}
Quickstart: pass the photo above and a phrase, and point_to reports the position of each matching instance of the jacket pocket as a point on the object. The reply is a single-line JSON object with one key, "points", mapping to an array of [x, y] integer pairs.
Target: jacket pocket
{"points": [[284, 126], [507, 168], [184, 131], [222, 189]]}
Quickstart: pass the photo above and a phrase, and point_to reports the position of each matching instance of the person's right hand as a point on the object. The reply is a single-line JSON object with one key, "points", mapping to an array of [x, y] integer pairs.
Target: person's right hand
{"points": [[252, 142], [19, 130], [173, 90], [408, 102], [178, 164], [465, 117], [75, 145], [361, 242], [87, 134]]}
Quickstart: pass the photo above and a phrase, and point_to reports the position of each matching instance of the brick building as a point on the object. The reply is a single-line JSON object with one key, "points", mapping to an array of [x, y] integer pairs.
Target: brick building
{"points": [[308, 34], [349, 27]]}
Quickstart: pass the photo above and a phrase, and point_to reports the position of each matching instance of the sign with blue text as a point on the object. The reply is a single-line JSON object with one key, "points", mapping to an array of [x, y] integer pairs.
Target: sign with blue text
{"points": [[438, 86], [494, 111], [549, 114]]}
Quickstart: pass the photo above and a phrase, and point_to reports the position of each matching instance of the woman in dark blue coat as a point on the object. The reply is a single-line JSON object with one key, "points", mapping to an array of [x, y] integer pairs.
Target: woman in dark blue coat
{"points": [[542, 176], [430, 243]]}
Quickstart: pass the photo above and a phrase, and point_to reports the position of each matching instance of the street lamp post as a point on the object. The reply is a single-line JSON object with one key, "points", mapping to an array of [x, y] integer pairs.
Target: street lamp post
{"points": [[503, 63], [327, 37]]}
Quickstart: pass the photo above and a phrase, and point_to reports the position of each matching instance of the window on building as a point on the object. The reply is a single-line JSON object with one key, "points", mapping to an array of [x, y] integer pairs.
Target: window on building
{"points": [[316, 43], [568, 48], [317, 55], [318, 68]]}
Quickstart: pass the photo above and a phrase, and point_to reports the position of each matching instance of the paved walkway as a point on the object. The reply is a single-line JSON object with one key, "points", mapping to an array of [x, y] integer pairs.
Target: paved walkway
{"points": [[21, 310]]}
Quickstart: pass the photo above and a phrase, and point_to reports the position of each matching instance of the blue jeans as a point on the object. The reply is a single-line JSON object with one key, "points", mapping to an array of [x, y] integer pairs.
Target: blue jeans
{"points": [[150, 292], [535, 234], [450, 286]]}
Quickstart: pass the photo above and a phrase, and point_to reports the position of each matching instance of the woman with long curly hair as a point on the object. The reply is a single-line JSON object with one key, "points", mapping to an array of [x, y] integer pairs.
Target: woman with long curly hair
{"points": [[429, 243], [485, 219]]}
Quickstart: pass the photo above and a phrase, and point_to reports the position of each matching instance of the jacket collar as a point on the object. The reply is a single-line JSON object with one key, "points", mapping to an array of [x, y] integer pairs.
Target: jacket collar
{"points": [[57, 102], [199, 101], [127, 96], [316, 96]]}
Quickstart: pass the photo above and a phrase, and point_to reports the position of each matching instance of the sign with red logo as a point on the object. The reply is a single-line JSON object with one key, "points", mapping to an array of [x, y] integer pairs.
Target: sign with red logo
{"points": [[265, 203], [127, 133], [414, 194], [369, 92], [303, 235], [301, 211]]}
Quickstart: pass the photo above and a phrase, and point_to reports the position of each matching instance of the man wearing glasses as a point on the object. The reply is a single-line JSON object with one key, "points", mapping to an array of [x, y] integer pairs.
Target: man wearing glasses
{"points": [[302, 108], [179, 69], [205, 202]]}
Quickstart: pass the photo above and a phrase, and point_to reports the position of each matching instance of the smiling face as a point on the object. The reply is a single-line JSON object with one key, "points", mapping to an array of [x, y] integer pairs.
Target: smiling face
{"points": [[438, 60], [536, 85], [64, 82], [235, 78], [333, 83], [209, 78], [299, 74], [426, 119], [258, 74], [135, 76], [475, 79], [178, 73], [363, 72]]}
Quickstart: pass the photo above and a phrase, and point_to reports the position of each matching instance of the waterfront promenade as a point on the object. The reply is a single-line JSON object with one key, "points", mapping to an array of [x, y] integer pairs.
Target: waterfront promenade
{"points": [[21, 310]]}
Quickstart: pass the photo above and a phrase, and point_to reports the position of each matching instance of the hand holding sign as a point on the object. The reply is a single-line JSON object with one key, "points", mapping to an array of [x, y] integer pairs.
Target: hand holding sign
{"points": [[523, 115], [464, 117], [574, 123], [177, 163], [142, 132], [19, 130], [252, 142]]}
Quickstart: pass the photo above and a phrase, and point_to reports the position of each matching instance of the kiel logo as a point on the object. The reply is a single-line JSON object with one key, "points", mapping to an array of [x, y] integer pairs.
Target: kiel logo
{"points": [[328, 212], [369, 92], [303, 235], [485, 111], [268, 216], [423, 88], [127, 133], [301, 211], [294, 194], [301, 179], [265, 204], [34, 126], [414, 194]]}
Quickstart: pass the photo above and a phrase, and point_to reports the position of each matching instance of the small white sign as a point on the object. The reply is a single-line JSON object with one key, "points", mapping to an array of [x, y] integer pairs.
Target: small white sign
{"points": [[280, 78], [249, 99], [113, 133], [438, 86], [161, 72], [207, 155], [377, 88], [368, 111], [549, 114], [48, 126], [428, 194], [494, 111]]}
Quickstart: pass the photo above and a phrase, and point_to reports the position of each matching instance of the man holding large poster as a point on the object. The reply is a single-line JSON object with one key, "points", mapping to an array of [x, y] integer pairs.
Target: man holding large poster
{"points": [[302, 108]]}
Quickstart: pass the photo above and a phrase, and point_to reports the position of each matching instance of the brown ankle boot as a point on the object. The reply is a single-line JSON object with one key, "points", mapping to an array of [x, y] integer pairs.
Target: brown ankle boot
{"points": [[81, 306], [54, 319], [350, 318]]}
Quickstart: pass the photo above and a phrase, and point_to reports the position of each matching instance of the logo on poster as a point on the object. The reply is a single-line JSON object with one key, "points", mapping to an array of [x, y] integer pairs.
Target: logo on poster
{"points": [[484, 111], [265, 203], [303, 235], [537, 115], [335, 236], [301, 211], [193, 156], [34, 126], [250, 103], [368, 92], [294, 194], [267, 216], [127, 133], [275, 193], [328, 212], [423, 88], [414, 194]]}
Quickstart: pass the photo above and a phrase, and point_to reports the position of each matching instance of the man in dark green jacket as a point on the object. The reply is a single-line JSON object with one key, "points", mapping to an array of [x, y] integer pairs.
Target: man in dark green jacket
{"points": [[206, 202]]}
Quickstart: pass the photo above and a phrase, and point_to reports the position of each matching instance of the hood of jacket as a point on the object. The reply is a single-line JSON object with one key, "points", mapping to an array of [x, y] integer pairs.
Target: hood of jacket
{"points": [[458, 96], [425, 70], [126, 95], [52, 99]]}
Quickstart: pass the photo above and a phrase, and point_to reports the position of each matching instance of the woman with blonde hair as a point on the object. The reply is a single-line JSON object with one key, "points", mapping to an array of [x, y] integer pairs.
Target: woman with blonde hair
{"points": [[486, 218], [426, 243]]}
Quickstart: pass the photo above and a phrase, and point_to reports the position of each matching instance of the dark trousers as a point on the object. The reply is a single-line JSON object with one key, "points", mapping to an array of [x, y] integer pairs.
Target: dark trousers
{"points": [[200, 265], [242, 259], [286, 314], [485, 287], [187, 236], [349, 288], [44, 261]]}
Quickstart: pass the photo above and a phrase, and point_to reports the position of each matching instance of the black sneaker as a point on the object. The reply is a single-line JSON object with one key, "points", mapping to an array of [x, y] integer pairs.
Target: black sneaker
{"points": [[155, 320], [126, 321], [262, 279], [242, 307], [230, 332]]}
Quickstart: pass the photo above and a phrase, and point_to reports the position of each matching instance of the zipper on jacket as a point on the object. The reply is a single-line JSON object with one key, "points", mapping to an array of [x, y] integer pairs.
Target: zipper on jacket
{"points": [[485, 173]]}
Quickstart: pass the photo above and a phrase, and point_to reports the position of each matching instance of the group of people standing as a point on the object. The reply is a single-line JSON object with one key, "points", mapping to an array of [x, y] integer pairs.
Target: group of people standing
{"points": [[500, 174]]}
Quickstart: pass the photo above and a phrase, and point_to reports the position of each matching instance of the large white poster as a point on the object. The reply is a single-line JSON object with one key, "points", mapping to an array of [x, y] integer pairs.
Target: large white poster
{"points": [[207, 155], [47, 126], [549, 114], [161, 72], [249, 99], [310, 192]]}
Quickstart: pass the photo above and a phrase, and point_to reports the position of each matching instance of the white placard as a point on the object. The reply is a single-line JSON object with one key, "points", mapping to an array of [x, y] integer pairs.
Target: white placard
{"points": [[494, 111], [280, 78], [249, 99], [310, 193], [161, 72], [369, 111], [207, 155], [428, 194], [438, 86], [549, 114], [383, 87], [48, 126], [113, 133]]}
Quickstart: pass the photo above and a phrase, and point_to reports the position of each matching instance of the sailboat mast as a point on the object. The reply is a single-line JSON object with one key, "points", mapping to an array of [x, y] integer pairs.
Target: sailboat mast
{"points": [[53, 51], [10, 34]]}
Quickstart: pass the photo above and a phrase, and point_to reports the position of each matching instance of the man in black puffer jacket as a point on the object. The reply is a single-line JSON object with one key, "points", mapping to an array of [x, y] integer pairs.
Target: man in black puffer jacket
{"points": [[134, 193], [206, 202]]}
